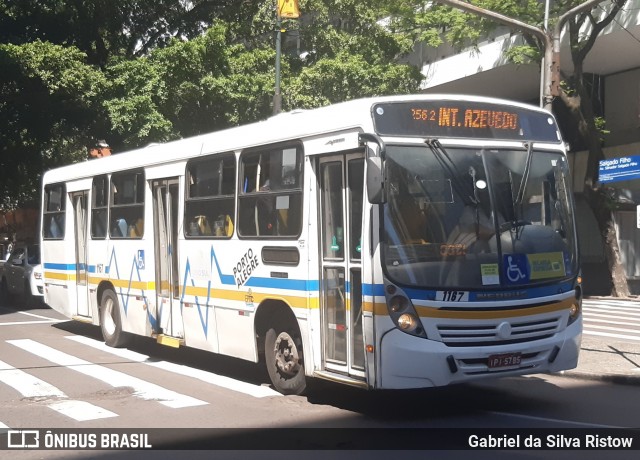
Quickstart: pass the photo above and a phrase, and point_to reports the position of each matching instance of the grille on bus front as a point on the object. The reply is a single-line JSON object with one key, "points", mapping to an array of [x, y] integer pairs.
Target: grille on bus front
{"points": [[488, 334]]}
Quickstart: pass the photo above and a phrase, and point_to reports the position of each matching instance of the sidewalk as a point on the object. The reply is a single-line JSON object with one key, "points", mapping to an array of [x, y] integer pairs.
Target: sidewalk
{"points": [[606, 359]]}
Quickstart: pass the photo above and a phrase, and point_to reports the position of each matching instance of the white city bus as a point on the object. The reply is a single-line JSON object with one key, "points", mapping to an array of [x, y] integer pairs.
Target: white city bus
{"points": [[386, 243]]}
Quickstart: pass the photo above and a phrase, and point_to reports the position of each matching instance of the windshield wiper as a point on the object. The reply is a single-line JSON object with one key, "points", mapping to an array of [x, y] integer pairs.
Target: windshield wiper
{"points": [[525, 175], [447, 163]]}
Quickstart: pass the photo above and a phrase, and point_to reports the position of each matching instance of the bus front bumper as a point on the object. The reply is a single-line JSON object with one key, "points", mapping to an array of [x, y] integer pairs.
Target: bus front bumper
{"points": [[412, 362]]}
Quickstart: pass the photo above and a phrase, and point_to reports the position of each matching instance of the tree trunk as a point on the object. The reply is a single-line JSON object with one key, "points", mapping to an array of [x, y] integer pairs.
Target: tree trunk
{"points": [[604, 217], [581, 108]]}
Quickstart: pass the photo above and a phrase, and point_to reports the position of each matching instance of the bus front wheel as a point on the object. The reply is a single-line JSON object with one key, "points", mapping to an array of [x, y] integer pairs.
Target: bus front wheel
{"points": [[284, 360], [110, 322]]}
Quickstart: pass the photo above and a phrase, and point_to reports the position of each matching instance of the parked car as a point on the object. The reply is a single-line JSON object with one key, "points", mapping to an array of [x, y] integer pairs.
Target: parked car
{"points": [[21, 274]]}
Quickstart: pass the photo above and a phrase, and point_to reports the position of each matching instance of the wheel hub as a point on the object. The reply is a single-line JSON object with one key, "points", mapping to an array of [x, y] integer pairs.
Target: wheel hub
{"points": [[287, 356]]}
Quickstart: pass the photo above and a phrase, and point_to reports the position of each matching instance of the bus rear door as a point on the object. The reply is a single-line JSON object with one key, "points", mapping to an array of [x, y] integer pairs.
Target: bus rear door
{"points": [[165, 214], [80, 220]]}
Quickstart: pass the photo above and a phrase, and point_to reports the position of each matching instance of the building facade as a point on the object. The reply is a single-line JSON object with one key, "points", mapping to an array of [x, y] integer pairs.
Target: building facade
{"points": [[613, 66]]}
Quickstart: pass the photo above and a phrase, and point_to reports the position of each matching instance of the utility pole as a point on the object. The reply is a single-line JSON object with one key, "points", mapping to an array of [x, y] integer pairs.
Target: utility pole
{"points": [[551, 40], [277, 97], [284, 9]]}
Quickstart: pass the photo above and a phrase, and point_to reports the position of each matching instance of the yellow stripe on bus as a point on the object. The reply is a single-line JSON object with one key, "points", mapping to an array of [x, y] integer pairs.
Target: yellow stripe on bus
{"points": [[242, 296], [428, 312], [60, 276]]}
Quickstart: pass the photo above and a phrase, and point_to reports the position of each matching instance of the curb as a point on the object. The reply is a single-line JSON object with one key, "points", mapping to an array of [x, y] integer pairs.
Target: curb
{"points": [[618, 379]]}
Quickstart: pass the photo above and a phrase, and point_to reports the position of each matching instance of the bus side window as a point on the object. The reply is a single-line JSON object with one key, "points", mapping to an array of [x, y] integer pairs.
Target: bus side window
{"points": [[211, 196], [270, 200]]}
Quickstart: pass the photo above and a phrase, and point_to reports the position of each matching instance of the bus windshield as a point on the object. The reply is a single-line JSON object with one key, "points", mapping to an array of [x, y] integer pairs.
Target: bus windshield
{"points": [[477, 218]]}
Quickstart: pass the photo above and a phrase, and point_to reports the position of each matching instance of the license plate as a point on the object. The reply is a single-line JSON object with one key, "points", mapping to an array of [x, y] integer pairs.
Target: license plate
{"points": [[505, 360]]}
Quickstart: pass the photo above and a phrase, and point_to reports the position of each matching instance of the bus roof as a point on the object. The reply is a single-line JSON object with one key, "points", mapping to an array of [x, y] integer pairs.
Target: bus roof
{"points": [[296, 124]]}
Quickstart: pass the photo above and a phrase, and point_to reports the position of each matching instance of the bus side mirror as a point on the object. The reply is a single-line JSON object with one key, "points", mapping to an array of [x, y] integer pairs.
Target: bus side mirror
{"points": [[375, 180], [375, 167]]}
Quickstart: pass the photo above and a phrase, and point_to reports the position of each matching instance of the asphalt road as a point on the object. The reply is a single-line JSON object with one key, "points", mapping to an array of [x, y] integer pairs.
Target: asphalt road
{"points": [[56, 374]]}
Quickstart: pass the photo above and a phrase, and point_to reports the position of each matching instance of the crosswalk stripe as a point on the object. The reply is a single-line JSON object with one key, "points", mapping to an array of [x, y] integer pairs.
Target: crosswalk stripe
{"points": [[26, 384], [30, 386], [142, 389], [598, 319], [81, 411], [614, 311], [618, 329], [208, 377], [612, 318], [607, 334]]}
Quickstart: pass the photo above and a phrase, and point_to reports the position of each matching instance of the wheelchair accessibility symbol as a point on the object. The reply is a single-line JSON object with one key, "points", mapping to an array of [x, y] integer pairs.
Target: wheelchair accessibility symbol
{"points": [[516, 268]]}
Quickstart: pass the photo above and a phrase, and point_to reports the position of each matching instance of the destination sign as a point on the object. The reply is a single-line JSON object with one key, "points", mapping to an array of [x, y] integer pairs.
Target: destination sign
{"points": [[463, 119]]}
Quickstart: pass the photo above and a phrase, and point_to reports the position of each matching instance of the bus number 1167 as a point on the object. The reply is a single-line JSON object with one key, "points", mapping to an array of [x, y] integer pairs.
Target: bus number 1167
{"points": [[452, 296]]}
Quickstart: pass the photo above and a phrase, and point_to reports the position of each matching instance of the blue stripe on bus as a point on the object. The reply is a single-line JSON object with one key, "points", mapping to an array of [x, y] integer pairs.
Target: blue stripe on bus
{"points": [[52, 266], [491, 295]]}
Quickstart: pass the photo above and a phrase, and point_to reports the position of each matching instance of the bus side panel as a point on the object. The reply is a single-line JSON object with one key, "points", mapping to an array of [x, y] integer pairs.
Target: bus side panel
{"points": [[372, 288], [129, 267], [59, 276], [246, 282], [58, 260], [98, 251], [200, 286]]}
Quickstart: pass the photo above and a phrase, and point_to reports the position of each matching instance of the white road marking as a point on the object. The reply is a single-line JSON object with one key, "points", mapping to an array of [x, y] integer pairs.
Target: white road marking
{"points": [[32, 387], [616, 336], [554, 420], [142, 389], [26, 384], [81, 411], [208, 377], [19, 323], [26, 313]]}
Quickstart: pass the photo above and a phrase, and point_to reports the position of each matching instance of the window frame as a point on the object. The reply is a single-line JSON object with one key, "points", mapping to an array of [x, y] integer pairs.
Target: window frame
{"points": [[57, 216], [118, 208], [95, 209], [221, 223], [249, 199]]}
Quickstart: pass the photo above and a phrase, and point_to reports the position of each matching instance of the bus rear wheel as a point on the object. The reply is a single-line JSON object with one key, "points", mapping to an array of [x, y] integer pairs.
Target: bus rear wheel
{"points": [[284, 360], [110, 322]]}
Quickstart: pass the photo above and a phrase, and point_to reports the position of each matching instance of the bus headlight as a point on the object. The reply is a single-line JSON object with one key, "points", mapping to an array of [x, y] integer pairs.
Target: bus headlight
{"points": [[402, 312], [574, 311], [407, 322], [398, 304]]}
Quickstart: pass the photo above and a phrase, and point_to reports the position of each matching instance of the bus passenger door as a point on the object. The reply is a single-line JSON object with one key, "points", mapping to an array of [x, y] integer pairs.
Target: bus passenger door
{"points": [[79, 200], [165, 215], [341, 195]]}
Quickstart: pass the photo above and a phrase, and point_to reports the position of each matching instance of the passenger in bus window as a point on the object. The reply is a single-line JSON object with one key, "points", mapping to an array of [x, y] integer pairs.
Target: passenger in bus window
{"points": [[120, 228], [203, 225], [135, 230], [54, 228]]}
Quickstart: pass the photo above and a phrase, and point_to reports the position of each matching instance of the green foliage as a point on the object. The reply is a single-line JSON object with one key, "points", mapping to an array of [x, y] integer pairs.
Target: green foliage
{"points": [[48, 104], [134, 72], [348, 77]]}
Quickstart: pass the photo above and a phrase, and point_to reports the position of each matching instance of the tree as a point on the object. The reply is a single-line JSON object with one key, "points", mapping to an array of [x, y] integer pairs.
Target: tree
{"points": [[153, 75], [48, 106], [341, 50], [104, 29], [422, 20]]}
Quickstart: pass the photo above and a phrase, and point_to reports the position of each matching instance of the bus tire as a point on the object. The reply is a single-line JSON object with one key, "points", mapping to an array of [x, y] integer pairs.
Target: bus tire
{"points": [[284, 360], [27, 297], [110, 323], [5, 297]]}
